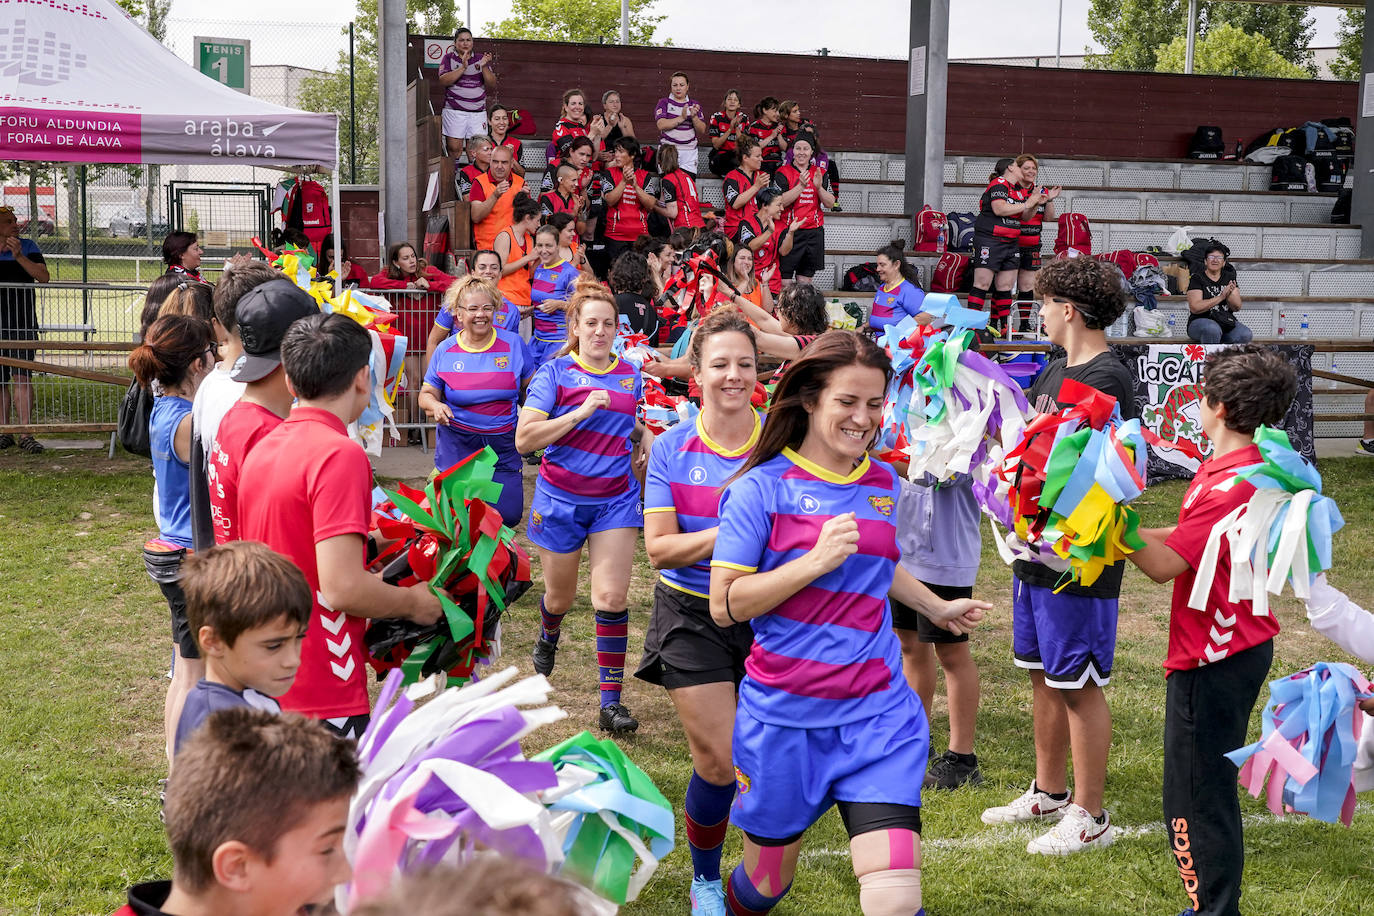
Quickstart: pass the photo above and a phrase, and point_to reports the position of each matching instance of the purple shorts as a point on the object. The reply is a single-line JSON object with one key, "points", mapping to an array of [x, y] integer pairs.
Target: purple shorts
{"points": [[1072, 638]]}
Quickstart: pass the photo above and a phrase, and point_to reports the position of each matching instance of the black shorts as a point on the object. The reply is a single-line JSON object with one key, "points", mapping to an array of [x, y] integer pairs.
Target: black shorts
{"points": [[684, 647], [905, 617], [807, 257], [996, 254], [721, 163], [164, 568], [859, 818], [1030, 257]]}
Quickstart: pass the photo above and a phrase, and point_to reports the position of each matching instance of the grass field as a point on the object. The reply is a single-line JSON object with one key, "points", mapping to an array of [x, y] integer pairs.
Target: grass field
{"points": [[83, 633]]}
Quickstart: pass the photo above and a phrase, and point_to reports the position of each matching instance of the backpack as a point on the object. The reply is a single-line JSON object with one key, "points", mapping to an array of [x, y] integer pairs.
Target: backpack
{"points": [[861, 278], [1340, 210], [952, 274], [1074, 233], [1330, 174], [1128, 262], [1318, 140], [1344, 144], [929, 224], [436, 247], [1207, 143], [1288, 174], [959, 236], [1265, 139], [306, 207], [1197, 255]]}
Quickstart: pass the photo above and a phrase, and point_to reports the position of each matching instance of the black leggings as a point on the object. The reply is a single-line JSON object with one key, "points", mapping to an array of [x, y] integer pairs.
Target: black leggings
{"points": [[860, 817]]}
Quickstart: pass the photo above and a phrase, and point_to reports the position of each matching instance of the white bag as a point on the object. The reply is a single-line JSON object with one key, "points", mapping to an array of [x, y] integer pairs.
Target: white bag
{"points": [[1180, 241], [1150, 322]]}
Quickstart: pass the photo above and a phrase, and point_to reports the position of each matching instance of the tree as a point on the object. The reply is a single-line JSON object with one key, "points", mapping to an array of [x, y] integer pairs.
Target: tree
{"points": [[587, 21], [1231, 51], [1134, 31], [1349, 44]]}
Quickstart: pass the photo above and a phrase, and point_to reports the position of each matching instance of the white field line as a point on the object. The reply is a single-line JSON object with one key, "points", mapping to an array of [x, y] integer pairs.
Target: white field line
{"points": [[1021, 834]]}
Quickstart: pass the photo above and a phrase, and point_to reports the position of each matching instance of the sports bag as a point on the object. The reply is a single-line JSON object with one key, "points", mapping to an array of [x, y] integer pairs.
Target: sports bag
{"points": [[1128, 262], [1340, 210], [1074, 233], [959, 235], [135, 410], [929, 224], [952, 274], [1288, 174], [306, 207], [1207, 143], [436, 247], [1265, 139], [861, 278], [1330, 174]]}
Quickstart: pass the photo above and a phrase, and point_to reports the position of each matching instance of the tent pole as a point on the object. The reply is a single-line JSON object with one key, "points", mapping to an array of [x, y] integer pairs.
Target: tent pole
{"points": [[335, 217], [1191, 40], [85, 260], [352, 115]]}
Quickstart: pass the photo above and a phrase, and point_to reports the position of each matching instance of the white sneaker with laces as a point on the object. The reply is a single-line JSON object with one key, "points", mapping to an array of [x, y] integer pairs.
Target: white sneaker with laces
{"points": [[1031, 806], [1076, 831]]}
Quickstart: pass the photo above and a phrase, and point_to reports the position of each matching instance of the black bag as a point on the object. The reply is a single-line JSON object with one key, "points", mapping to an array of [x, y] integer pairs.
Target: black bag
{"points": [[1330, 174], [861, 278], [1207, 143], [1224, 317], [1294, 139], [1344, 144], [1269, 137], [135, 410], [1196, 256], [1340, 211], [1288, 173], [436, 245]]}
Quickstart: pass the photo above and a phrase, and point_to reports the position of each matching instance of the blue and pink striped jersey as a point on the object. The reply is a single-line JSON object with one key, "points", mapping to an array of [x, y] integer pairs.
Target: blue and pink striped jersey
{"points": [[507, 317], [686, 472], [892, 305], [592, 462], [552, 283], [481, 387], [827, 655]]}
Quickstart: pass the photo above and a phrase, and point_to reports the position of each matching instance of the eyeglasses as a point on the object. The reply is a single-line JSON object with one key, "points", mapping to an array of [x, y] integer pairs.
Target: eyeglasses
{"points": [[480, 310], [1216, 256]]}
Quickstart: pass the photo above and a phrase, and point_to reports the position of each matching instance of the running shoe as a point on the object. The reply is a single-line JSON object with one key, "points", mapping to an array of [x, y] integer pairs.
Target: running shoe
{"points": [[1029, 807], [948, 772], [708, 897], [1076, 831], [617, 720], [6, 441], [30, 445], [544, 654], [1365, 448]]}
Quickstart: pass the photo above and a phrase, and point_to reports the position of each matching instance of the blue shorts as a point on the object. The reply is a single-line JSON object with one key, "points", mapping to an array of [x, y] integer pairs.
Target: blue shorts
{"points": [[453, 445], [544, 350], [1070, 637], [562, 526], [788, 777]]}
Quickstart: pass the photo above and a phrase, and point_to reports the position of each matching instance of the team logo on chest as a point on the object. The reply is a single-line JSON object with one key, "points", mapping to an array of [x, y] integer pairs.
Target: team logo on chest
{"points": [[628, 384], [583, 381], [809, 504], [882, 503], [458, 366], [697, 474], [502, 362]]}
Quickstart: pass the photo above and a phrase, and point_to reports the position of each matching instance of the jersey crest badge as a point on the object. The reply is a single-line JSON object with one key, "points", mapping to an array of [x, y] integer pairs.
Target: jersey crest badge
{"points": [[628, 384], [741, 781], [502, 362], [882, 503], [809, 503], [536, 519]]}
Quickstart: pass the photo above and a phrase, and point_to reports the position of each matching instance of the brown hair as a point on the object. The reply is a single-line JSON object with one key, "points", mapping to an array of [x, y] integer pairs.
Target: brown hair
{"points": [[240, 586], [190, 298], [677, 73], [562, 112], [234, 284], [487, 886], [249, 776], [584, 291], [801, 386], [721, 321], [393, 271], [1026, 157], [1093, 286], [471, 283], [1254, 383], [173, 344]]}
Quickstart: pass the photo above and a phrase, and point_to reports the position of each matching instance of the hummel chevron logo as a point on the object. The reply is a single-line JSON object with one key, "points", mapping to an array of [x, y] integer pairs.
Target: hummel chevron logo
{"points": [[340, 649], [332, 624], [1224, 621], [345, 671], [1220, 639], [1215, 655]]}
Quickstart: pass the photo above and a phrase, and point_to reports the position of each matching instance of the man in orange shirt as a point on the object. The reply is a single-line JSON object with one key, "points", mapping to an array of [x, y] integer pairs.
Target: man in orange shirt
{"points": [[491, 198]]}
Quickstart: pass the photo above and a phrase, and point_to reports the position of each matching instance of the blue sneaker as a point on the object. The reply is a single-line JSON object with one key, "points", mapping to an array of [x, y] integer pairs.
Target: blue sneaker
{"points": [[708, 897]]}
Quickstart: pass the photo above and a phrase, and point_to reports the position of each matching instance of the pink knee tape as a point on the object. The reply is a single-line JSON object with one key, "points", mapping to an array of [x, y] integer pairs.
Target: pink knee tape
{"points": [[769, 868], [901, 849]]}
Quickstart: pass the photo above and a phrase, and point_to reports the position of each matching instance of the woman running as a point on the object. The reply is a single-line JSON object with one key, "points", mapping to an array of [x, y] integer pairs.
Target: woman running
{"points": [[499, 126], [742, 184], [678, 200], [685, 651], [485, 265], [515, 247], [472, 387], [580, 409], [1031, 223], [997, 241], [804, 189], [807, 552], [898, 294], [767, 129], [724, 130], [550, 290]]}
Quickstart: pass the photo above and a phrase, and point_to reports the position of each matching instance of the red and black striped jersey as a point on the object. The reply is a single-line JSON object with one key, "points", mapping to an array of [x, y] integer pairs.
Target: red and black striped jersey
{"points": [[807, 206], [627, 219], [463, 179], [1031, 225], [552, 202], [735, 184], [772, 153], [766, 255], [719, 126], [988, 222], [564, 130]]}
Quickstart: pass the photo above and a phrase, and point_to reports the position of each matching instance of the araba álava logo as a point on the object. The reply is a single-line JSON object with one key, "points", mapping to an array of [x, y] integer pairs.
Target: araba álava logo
{"points": [[235, 139]]}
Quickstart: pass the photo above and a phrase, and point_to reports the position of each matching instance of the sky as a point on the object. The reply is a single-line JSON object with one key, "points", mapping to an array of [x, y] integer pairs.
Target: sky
{"points": [[765, 25]]}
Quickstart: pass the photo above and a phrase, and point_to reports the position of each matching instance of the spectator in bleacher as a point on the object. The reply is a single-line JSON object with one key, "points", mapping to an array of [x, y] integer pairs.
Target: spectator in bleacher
{"points": [[579, 152], [350, 274], [1031, 223], [610, 125], [997, 241], [793, 124], [678, 199], [515, 245], [181, 252], [635, 291], [630, 194], [804, 192], [499, 124], [572, 123], [767, 128], [899, 292], [565, 196], [492, 195], [1213, 300], [478, 164], [22, 264], [753, 283], [724, 129], [679, 120], [742, 185], [769, 236], [466, 78]]}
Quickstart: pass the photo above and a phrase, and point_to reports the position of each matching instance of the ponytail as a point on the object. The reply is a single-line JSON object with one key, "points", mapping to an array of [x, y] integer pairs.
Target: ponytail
{"points": [[895, 251], [173, 344]]}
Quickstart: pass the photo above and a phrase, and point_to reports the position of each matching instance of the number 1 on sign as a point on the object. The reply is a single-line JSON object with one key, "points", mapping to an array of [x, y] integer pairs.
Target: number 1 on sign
{"points": [[220, 66]]}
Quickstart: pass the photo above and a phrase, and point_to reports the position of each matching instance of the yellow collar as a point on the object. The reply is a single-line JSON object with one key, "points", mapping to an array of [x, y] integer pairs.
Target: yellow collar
{"points": [[577, 358], [829, 476], [725, 452]]}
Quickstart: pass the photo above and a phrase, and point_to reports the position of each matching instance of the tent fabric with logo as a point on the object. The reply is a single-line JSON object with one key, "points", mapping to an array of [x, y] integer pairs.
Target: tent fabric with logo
{"points": [[82, 82]]}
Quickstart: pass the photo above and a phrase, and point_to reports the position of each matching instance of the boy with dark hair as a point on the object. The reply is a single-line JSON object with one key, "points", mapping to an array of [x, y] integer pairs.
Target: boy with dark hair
{"points": [[1218, 658], [309, 496], [1066, 639], [256, 811], [248, 607]]}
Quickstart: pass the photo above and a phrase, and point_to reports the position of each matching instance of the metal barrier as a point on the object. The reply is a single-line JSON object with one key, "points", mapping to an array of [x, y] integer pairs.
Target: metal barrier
{"points": [[415, 312]]}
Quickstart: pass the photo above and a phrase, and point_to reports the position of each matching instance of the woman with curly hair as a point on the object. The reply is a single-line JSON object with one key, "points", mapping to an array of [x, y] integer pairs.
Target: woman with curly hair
{"points": [[633, 285]]}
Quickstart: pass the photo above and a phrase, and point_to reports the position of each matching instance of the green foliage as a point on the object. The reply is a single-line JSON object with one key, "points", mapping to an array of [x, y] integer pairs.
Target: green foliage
{"points": [[1349, 42], [1230, 51], [1134, 32], [589, 21]]}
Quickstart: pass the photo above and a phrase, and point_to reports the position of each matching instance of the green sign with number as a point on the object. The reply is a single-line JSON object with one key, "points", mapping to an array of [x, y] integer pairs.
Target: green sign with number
{"points": [[224, 60]]}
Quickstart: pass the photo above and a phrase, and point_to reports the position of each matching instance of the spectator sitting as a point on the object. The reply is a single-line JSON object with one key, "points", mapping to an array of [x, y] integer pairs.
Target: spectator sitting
{"points": [[491, 197], [466, 80], [767, 128], [572, 123], [255, 817], [479, 162], [181, 252], [610, 126], [20, 263], [407, 271], [1214, 299], [350, 274], [724, 129]]}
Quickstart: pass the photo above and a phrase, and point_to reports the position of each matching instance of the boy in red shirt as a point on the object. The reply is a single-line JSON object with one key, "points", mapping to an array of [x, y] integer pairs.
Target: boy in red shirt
{"points": [[1218, 657], [256, 810], [307, 494]]}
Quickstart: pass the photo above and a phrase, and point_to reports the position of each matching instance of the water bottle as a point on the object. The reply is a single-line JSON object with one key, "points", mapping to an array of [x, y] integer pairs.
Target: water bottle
{"points": [[1303, 327], [1240, 150], [1278, 332], [1173, 331], [940, 241]]}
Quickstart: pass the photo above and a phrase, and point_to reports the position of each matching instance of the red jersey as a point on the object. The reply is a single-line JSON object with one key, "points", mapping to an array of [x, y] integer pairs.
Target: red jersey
{"points": [[988, 222], [627, 219], [565, 130], [1030, 225], [516, 147], [1197, 638], [243, 426], [766, 255], [679, 187], [772, 153], [311, 483], [719, 126], [463, 179], [807, 206], [735, 184], [553, 202]]}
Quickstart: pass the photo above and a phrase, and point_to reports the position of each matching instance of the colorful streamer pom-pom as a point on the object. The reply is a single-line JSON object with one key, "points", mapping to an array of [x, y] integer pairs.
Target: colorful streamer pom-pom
{"points": [[1308, 747], [451, 536], [661, 411], [1281, 534], [608, 813], [1066, 486]]}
